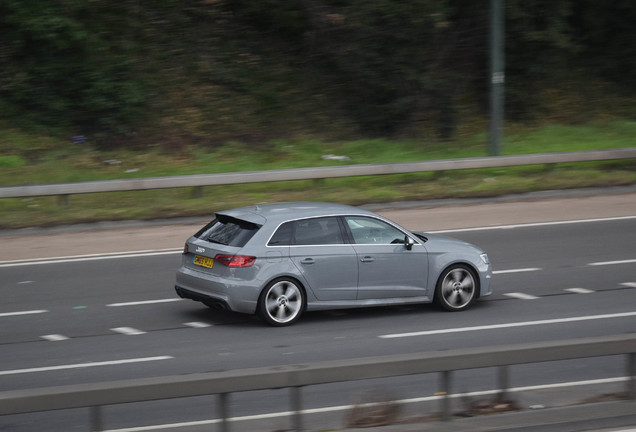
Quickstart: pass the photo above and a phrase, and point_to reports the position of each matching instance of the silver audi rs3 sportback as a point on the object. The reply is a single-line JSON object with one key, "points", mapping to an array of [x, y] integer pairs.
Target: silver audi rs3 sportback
{"points": [[279, 260]]}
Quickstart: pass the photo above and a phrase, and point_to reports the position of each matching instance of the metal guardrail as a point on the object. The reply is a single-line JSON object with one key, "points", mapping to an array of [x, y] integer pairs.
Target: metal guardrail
{"points": [[295, 377], [199, 180]]}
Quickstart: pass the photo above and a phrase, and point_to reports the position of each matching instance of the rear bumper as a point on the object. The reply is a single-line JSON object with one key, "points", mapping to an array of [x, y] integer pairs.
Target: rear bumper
{"points": [[207, 300], [239, 297]]}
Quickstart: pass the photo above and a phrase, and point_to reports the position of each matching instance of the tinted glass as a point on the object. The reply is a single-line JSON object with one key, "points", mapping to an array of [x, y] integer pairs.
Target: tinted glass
{"points": [[228, 231], [283, 235], [372, 231], [317, 231]]}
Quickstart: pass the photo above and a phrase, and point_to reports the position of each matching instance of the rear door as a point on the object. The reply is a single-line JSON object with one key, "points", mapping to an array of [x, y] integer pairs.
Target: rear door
{"points": [[327, 263]]}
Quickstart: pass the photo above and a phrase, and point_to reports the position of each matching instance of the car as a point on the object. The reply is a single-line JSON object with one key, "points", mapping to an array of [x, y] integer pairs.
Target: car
{"points": [[280, 260]]}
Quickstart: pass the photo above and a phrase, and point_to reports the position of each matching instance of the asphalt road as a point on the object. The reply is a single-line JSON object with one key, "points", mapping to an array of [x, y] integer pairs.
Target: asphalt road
{"points": [[106, 311]]}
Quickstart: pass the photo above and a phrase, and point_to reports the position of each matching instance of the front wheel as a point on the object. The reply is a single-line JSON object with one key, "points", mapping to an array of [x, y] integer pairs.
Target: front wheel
{"points": [[281, 302], [456, 288]]}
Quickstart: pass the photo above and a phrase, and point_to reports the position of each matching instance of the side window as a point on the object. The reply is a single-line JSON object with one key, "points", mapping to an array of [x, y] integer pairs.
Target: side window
{"points": [[372, 231], [317, 231], [283, 235]]}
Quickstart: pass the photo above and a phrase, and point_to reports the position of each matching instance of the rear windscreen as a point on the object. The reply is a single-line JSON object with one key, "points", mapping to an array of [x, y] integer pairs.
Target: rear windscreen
{"points": [[228, 231]]}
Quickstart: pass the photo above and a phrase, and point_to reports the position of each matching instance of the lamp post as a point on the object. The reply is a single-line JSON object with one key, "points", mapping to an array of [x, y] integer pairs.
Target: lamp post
{"points": [[497, 75]]}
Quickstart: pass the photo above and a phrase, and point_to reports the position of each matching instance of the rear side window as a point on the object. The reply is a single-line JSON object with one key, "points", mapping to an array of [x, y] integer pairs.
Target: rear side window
{"points": [[228, 231], [283, 235], [306, 232]]}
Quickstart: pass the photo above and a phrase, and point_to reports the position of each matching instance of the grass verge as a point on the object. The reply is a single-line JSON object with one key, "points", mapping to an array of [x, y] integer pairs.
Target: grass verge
{"points": [[29, 160]]}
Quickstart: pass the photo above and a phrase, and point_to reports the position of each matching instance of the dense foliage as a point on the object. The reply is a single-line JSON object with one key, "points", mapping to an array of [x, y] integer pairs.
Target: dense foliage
{"points": [[219, 69]]}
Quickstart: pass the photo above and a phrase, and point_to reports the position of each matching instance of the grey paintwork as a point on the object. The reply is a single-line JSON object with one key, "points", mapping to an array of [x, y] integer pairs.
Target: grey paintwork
{"points": [[333, 276]]}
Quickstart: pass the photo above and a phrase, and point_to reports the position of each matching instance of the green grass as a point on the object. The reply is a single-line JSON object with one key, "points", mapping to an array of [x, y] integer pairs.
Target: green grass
{"points": [[31, 159]]}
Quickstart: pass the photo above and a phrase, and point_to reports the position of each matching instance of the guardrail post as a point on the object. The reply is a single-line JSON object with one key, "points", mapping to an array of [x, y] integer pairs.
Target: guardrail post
{"points": [[445, 383], [631, 376], [503, 381], [222, 408], [297, 407], [95, 413], [197, 192], [62, 201]]}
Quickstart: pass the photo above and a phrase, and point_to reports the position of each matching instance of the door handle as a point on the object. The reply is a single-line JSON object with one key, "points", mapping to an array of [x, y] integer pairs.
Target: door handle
{"points": [[367, 259], [308, 261]]}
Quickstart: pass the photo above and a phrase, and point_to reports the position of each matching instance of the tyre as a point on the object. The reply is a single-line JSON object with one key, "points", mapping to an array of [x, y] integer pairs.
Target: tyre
{"points": [[456, 288], [282, 302]]}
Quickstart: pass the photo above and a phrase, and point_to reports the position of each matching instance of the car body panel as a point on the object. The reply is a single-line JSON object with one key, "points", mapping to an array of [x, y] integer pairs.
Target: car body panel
{"points": [[391, 271], [330, 272]]}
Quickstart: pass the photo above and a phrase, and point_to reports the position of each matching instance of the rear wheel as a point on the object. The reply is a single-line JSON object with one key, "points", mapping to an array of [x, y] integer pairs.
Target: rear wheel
{"points": [[456, 288], [282, 302]]}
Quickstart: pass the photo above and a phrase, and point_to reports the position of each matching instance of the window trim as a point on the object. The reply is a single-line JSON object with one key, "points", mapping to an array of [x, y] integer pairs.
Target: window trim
{"points": [[344, 228]]}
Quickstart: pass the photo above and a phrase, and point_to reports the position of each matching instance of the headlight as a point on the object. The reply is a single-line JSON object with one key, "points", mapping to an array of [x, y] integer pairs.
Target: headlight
{"points": [[484, 258]]}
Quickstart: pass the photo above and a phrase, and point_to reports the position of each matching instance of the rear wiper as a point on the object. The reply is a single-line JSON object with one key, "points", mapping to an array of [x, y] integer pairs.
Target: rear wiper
{"points": [[217, 242]]}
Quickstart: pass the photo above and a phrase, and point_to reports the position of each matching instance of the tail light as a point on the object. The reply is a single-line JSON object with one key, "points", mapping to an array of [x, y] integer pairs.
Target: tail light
{"points": [[186, 249], [235, 260]]}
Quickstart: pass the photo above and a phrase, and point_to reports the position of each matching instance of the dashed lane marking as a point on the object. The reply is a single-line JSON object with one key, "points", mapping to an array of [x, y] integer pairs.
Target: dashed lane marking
{"points": [[629, 284], [519, 270], [54, 337], [521, 296], [197, 324], [606, 263], [144, 302], [579, 290], [31, 312], [128, 331]]}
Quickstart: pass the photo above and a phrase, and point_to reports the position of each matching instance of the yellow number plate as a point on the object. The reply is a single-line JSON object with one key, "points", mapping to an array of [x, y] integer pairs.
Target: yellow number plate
{"points": [[203, 261]]}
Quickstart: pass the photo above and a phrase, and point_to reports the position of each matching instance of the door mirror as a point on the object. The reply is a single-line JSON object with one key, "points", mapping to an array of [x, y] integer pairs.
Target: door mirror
{"points": [[408, 242]]}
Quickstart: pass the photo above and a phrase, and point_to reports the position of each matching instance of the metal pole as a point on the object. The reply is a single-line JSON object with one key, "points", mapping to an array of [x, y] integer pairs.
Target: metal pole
{"points": [[96, 418], [445, 390], [297, 407], [503, 378], [631, 376], [497, 74], [222, 407]]}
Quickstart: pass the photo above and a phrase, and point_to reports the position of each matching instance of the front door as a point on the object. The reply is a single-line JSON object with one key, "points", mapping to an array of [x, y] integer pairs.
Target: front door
{"points": [[387, 269]]}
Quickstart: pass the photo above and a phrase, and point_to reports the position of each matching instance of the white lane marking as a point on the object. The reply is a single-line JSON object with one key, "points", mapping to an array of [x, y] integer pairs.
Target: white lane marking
{"points": [[128, 331], [510, 325], [91, 257], [85, 365], [25, 282], [520, 270], [606, 263], [197, 324], [536, 224], [348, 407], [31, 312], [629, 284], [142, 253], [54, 337], [144, 302], [579, 290], [521, 296]]}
